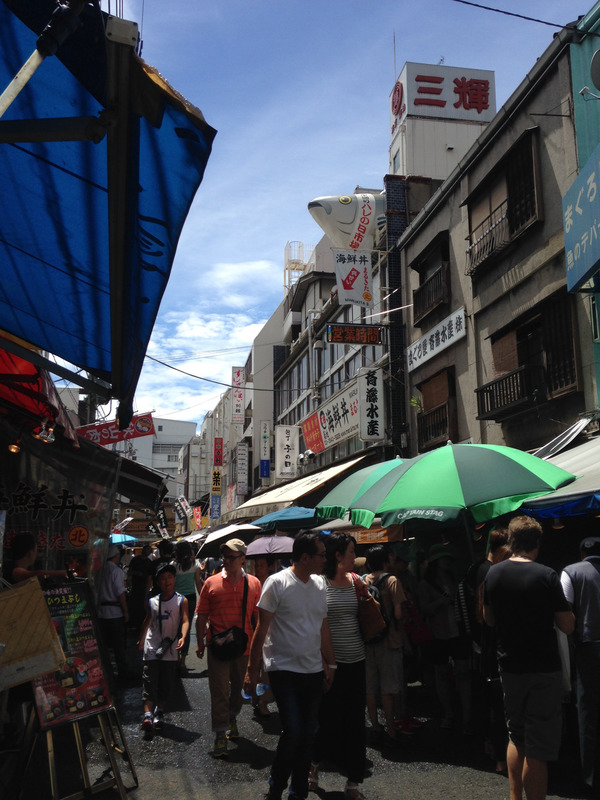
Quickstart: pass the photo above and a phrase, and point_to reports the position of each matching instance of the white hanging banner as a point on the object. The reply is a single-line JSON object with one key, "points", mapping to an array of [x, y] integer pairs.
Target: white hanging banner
{"points": [[287, 443], [238, 380], [354, 278], [242, 468], [371, 404]]}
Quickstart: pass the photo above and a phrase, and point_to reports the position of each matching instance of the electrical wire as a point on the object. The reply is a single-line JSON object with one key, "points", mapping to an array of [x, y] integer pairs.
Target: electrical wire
{"points": [[570, 26]]}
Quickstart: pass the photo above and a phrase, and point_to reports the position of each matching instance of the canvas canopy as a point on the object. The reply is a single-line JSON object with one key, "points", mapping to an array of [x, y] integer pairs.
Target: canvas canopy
{"points": [[99, 162]]}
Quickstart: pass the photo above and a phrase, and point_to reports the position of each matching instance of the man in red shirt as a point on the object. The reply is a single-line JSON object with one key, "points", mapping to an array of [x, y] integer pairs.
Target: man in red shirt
{"points": [[220, 607]]}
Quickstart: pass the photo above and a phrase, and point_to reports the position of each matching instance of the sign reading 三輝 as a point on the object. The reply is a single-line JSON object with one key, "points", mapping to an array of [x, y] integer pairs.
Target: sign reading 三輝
{"points": [[428, 90]]}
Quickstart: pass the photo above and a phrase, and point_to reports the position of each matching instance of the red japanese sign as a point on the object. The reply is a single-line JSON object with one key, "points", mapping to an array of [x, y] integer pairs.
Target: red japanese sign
{"points": [[218, 452], [108, 432]]}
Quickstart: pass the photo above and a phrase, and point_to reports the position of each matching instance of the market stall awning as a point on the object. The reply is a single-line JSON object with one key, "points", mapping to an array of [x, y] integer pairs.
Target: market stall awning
{"points": [[29, 395], [286, 494], [580, 497], [99, 162]]}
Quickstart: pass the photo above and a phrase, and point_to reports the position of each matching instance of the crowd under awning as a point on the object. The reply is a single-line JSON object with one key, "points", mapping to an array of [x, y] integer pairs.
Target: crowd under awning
{"points": [[582, 496], [287, 494]]}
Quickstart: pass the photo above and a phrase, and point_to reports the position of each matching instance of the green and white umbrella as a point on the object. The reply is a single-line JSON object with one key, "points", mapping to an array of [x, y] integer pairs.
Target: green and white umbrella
{"points": [[442, 484]]}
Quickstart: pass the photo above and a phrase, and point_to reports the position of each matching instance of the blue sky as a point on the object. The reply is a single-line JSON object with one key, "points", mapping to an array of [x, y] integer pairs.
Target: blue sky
{"points": [[298, 91]]}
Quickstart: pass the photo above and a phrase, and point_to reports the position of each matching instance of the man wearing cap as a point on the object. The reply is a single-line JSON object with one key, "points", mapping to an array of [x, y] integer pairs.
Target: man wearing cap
{"points": [[220, 607], [112, 611], [581, 585], [524, 601]]}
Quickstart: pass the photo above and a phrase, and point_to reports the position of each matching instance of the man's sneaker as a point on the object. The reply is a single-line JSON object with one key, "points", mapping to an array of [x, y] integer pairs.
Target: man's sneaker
{"points": [[233, 732], [147, 722], [220, 748], [159, 719]]}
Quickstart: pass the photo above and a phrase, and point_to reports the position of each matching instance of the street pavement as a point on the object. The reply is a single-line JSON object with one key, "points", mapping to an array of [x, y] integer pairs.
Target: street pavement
{"points": [[176, 763]]}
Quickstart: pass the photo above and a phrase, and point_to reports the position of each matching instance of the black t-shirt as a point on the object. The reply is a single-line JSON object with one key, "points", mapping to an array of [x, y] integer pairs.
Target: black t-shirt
{"points": [[524, 597], [140, 568]]}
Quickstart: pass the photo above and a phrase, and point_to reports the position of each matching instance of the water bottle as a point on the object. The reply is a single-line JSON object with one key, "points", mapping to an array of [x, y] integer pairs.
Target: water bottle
{"points": [[245, 694], [261, 688]]}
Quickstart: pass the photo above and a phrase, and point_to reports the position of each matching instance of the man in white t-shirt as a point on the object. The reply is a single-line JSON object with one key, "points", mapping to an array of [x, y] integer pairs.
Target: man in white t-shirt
{"points": [[297, 651], [113, 614]]}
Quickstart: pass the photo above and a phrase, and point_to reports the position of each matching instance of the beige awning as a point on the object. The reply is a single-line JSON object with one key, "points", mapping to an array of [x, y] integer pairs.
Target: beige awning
{"points": [[286, 494]]}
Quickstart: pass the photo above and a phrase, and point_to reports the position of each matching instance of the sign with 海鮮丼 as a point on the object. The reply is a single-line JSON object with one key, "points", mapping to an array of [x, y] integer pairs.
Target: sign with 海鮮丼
{"points": [[445, 334], [353, 277], [581, 222]]}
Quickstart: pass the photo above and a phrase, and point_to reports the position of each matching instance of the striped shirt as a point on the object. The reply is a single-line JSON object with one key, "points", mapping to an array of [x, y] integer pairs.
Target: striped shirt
{"points": [[342, 616], [221, 601]]}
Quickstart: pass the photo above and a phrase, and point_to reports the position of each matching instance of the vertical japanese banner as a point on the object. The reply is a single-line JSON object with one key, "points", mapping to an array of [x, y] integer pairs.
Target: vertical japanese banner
{"points": [[354, 278], [238, 379], [287, 441], [242, 469], [265, 449], [371, 405], [218, 451], [215, 494]]}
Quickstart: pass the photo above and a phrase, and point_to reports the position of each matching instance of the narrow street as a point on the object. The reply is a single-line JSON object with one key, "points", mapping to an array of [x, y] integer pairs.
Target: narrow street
{"points": [[177, 764]]}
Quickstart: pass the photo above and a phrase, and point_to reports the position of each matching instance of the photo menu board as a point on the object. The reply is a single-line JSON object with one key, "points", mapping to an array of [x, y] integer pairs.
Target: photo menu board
{"points": [[78, 687]]}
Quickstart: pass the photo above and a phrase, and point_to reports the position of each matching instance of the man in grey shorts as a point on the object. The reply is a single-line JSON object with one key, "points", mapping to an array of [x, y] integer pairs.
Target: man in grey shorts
{"points": [[524, 601]]}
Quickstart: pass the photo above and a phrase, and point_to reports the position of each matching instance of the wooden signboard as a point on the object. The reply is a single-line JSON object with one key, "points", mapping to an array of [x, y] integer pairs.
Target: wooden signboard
{"points": [[78, 686]]}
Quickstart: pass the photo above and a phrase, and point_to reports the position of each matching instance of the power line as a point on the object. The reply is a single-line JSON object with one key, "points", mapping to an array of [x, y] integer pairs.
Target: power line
{"points": [[571, 26]]}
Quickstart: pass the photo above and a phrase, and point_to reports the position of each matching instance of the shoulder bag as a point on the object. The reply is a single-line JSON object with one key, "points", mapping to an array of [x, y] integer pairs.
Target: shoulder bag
{"points": [[370, 619], [231, 643]]}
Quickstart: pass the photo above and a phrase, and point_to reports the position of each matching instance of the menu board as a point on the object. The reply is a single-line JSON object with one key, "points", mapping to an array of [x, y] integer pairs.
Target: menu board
{"points": [[78, 687]]}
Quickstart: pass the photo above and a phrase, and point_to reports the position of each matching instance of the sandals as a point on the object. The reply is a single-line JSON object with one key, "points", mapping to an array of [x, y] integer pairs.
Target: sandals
{"points": [[313, 778]]}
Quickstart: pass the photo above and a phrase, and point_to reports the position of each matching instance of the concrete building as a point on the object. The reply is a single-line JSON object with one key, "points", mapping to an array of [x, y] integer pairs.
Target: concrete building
{"points": [[497, 350]]}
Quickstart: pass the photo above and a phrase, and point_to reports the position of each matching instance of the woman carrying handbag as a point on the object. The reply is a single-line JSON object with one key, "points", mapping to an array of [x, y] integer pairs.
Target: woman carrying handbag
{"points": [[342, 736]]}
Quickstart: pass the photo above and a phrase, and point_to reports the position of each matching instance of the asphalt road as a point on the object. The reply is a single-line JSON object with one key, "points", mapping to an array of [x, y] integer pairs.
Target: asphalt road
{"points": [[176, 763]]}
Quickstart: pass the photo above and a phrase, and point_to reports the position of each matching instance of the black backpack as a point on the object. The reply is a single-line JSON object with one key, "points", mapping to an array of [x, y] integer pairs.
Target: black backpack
{"points": [[374, 590]]}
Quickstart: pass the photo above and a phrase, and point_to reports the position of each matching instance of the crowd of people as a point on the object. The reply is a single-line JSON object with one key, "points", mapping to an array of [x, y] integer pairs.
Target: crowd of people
{"points": [[290, 633]]}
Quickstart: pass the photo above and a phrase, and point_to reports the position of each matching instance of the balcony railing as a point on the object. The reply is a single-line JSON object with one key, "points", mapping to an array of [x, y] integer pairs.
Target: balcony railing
{"points": [[519, 390], [488, 238], [432, 293], [436, 426]]}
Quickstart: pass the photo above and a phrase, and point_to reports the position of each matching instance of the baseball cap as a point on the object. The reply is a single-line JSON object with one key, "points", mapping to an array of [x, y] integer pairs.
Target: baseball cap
{"points": [[589, 543], [236, 545], [166, 567], [113, 550]]}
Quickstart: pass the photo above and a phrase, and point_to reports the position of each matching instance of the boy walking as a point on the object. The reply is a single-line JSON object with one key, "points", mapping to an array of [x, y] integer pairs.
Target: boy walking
{"points": [[163, 634]]}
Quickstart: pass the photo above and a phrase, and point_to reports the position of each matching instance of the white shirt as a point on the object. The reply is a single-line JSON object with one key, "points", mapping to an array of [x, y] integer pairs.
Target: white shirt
{"points": [[112, 587], [294, 639]]}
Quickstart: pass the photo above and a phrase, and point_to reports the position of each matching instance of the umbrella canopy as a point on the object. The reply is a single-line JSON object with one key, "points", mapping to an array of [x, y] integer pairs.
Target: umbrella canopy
{"points": [[487, 480], [122, 538], [270, 546], [288, 519], [99, 162], [214, 540]]}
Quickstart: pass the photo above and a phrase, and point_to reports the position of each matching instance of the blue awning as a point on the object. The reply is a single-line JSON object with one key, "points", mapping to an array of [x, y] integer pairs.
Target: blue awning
{"points": [[99, 162]]}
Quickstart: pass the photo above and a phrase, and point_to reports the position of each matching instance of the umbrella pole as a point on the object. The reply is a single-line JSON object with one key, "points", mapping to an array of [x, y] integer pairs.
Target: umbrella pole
{"points": [[63, 22], [469, 538], [20, 80]]}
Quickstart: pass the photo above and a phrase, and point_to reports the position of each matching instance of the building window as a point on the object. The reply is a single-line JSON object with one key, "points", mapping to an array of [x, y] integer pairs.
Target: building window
{"points": [[533, 362], [506, 204]]}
